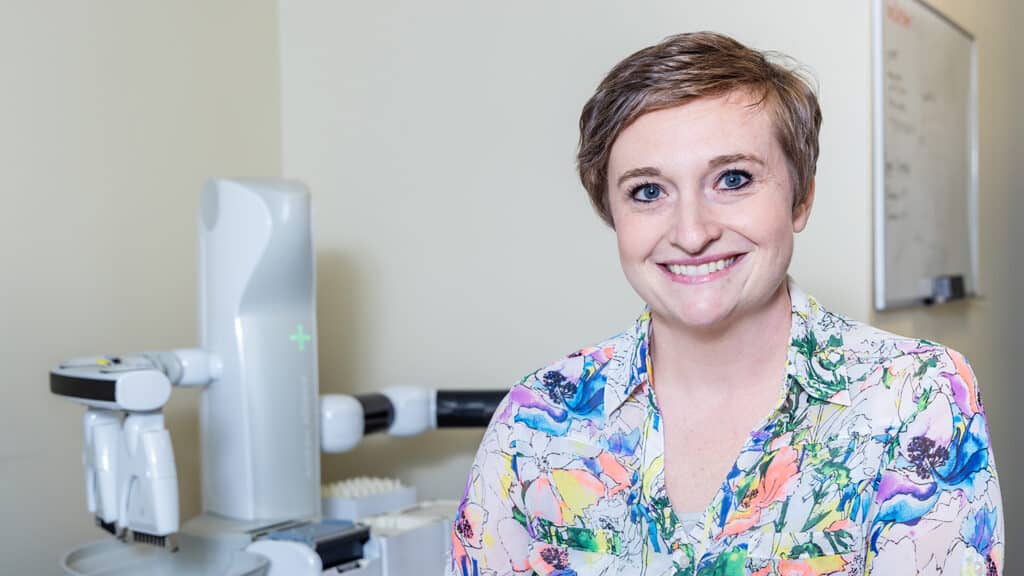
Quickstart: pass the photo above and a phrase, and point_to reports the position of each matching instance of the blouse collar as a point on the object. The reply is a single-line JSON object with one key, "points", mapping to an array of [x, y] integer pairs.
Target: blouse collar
{"points": [[816, 360]]}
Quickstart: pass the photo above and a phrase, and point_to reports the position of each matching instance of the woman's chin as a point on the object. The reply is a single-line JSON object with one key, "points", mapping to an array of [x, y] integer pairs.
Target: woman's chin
{"points": [[696, 318]]}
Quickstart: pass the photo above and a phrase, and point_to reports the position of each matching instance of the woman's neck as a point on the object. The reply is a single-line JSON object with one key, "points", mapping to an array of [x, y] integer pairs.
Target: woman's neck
{"points": [[739, 354]]}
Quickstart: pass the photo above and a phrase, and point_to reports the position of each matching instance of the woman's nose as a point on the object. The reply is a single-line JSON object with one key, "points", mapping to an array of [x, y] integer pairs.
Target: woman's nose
{"points": [[696, 226]]}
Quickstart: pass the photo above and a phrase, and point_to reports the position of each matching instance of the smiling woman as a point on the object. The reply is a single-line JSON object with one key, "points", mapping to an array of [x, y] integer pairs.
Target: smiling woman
{"points": [[703, 213], [737, 427]]}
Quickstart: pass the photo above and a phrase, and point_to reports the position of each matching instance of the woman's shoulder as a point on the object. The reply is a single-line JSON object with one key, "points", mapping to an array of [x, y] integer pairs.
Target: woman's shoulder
{"points": [[865, 343], [571, 388], [862, 355], [908, 367]]}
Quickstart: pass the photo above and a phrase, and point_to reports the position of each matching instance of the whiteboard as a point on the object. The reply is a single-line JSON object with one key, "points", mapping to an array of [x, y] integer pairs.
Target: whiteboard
{"points": [[925, 145]]}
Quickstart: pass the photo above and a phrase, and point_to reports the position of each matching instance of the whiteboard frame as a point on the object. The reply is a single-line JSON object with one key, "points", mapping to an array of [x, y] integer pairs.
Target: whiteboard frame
{"points": [[973, 287]]}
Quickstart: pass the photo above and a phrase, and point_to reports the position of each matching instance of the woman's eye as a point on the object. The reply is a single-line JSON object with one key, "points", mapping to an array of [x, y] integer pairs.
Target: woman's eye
{"points": [[646, 192], [734, 179]]}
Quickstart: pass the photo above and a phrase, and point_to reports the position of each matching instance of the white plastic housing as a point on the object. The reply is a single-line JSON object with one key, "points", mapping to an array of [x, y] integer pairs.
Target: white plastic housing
{"points": [[288, 558], [102, 435], [257, 314], [136, 385], [198, 367], [147, 476], [142, 391], [341, 423], [409, 544], [412, 410]]}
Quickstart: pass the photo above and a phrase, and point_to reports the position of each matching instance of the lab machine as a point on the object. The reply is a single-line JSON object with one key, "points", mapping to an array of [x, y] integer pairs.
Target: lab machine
{"points": [[263, 423]]}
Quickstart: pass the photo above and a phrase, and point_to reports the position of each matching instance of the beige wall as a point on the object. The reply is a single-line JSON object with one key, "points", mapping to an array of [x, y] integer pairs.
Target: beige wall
{"points": [[113, 114]]}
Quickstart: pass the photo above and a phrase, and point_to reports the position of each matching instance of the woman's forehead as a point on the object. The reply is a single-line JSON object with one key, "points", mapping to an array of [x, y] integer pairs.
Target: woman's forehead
{"points": [[736, 124]]}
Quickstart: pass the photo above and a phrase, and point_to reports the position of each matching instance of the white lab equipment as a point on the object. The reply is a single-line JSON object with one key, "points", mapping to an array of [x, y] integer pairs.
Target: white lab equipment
{"points": [[257, 314], [262, 422], [130, 476], [101, 432]]}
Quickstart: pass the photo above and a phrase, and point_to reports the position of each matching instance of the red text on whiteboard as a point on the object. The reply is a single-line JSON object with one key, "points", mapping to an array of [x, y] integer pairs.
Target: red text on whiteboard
{"points": [[897, 15]]}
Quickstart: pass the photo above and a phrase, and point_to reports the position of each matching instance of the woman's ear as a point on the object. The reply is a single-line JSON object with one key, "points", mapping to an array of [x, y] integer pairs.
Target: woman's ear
{"points": [[802, 211]]}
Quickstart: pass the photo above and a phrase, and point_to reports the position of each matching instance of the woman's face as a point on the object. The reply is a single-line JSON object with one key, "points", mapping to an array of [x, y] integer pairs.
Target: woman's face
{"points": [[701, 197]]}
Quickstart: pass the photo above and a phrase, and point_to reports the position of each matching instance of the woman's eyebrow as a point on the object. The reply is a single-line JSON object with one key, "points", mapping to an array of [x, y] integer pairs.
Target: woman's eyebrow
{"points": [[648, 171], [733, 158], [652, 172]]}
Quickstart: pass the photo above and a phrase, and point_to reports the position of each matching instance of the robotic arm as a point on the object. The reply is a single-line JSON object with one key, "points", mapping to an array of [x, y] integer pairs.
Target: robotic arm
{"points": [[262, 421], [401, 411], [130, 474], [131, 480]]}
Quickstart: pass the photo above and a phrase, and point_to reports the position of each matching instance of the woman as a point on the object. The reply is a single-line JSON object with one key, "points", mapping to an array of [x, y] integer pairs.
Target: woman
{"points": [[738, 427]]}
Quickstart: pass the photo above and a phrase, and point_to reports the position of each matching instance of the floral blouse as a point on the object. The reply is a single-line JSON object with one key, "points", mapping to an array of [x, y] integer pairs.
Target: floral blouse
{"points": [[876, 462]]}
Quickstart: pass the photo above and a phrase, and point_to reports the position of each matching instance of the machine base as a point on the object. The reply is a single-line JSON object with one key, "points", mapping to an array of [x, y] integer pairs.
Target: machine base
{"points": [[195, 555]]}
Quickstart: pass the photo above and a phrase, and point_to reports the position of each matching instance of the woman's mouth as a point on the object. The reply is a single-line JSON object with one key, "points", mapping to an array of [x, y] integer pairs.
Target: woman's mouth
{"points": [[697, 273]]}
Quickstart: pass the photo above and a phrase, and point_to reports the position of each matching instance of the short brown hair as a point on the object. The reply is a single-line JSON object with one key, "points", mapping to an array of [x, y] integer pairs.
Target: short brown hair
{"points": [[685, 67]]}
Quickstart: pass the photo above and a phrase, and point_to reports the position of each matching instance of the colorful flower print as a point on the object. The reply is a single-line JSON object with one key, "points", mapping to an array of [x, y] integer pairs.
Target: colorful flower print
{"points": [[876, 462]]}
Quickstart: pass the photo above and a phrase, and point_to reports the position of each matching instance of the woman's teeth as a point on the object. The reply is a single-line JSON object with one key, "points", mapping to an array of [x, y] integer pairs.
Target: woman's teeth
{"points": [[701, 269]]}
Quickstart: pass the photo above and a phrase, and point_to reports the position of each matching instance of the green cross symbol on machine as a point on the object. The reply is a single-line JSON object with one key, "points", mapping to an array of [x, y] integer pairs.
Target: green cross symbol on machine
{"points": [[300, 338]]}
